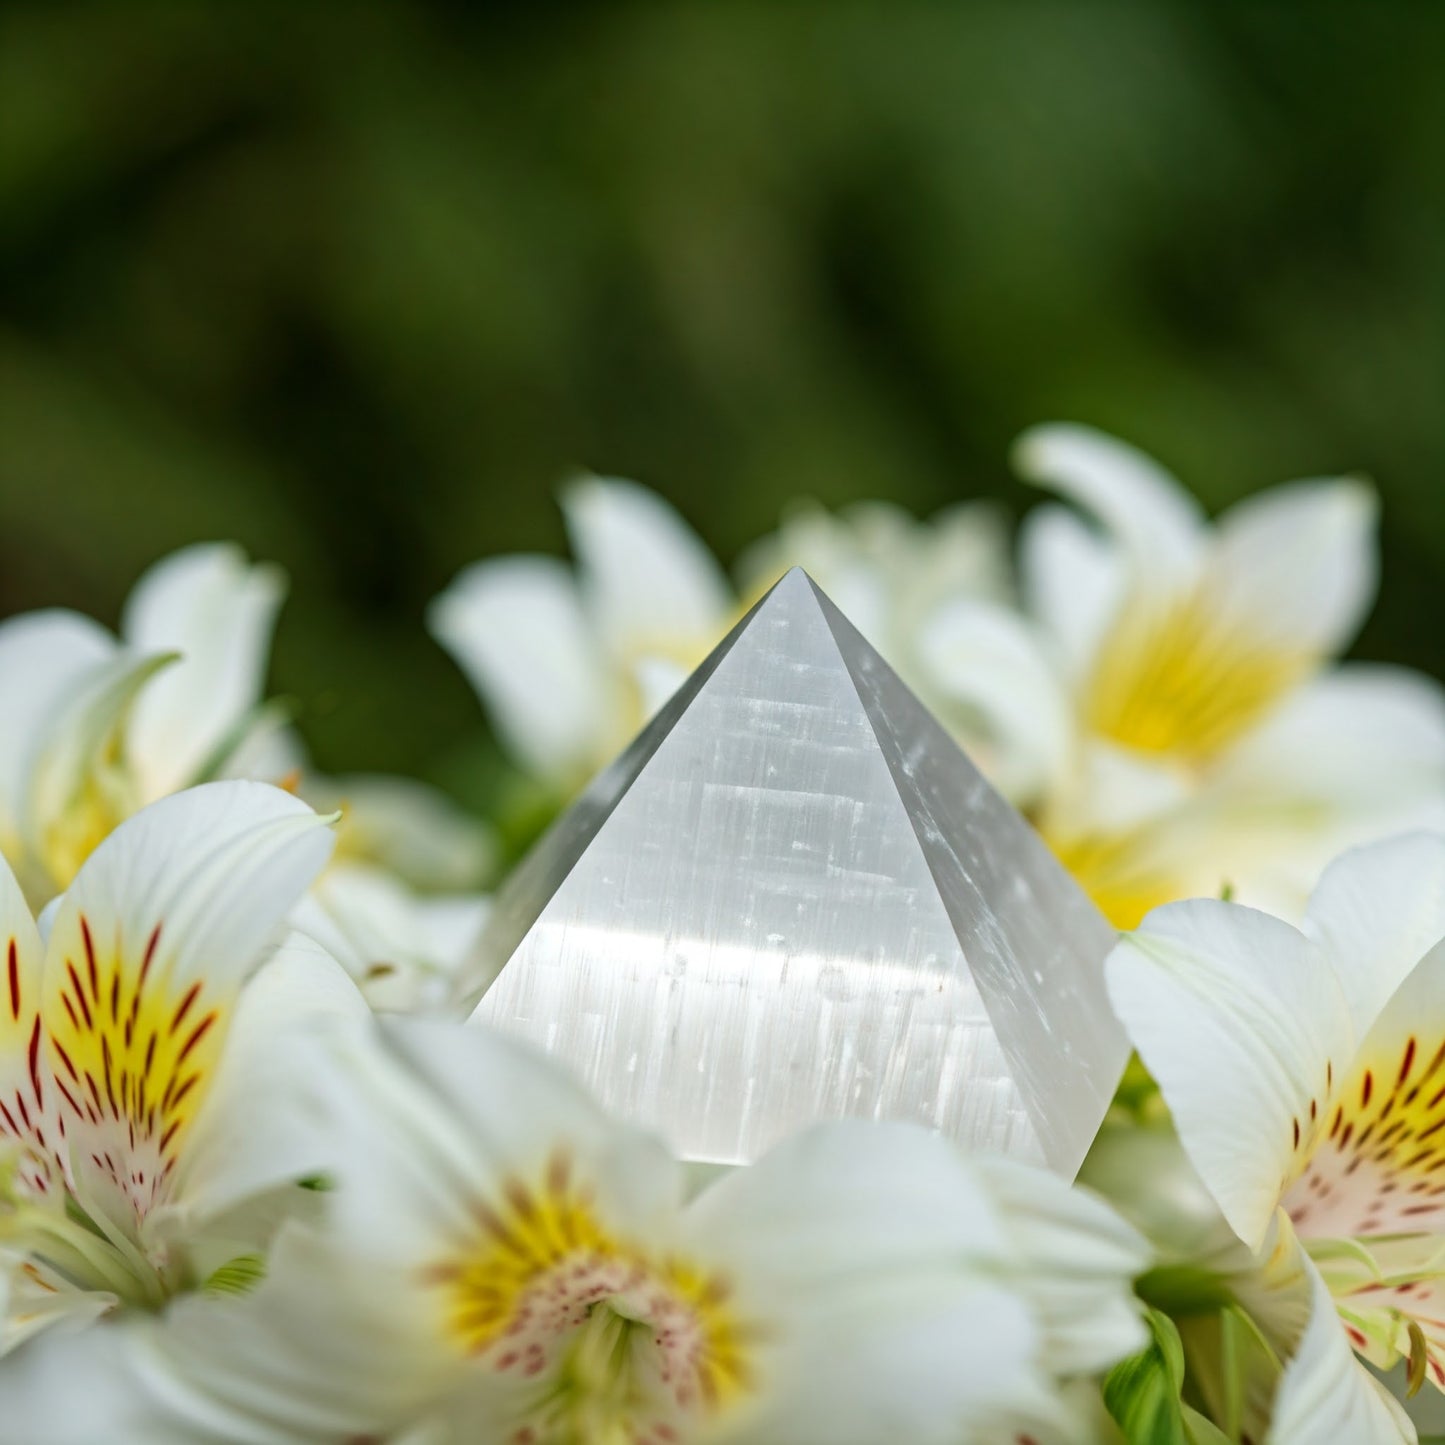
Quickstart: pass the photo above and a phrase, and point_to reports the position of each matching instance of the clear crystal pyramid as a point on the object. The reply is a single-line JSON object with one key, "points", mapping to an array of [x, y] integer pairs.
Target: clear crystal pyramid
{"points": [[793, 899]]}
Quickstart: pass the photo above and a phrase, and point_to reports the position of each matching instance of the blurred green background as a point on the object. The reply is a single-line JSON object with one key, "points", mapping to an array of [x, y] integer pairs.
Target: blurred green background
{"points": [[358, 284]]}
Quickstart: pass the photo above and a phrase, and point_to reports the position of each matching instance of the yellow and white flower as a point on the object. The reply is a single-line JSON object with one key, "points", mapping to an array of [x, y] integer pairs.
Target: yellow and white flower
{"points": [[96, 727], [571, 665], [1214, 740], [504, 1263], [154, 1055], [1305, 1070]]}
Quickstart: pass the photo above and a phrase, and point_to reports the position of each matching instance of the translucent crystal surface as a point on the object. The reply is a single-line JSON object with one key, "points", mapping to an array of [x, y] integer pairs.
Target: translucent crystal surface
{"points": [[793, 899]]}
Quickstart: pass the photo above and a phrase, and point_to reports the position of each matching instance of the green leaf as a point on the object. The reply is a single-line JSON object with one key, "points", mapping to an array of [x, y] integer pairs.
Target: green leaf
{"points": [[237, 1276], [1142, 1392], [1200, 1431], [1184, 1289]]}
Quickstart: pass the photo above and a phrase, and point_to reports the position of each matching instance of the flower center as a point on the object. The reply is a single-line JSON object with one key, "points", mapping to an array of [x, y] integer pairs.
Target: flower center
{"points": [[621, 1346]]}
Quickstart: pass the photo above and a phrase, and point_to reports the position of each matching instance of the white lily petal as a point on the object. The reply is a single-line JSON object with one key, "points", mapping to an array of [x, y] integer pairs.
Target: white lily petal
{"points": [[400, 948], [407, 827], [1363, 740], [313, 1356], [80, 786], [434, 1120], [1239, 1019], [264, 1121], [1296, 565], [929, 1364], [1378, 1169], [43, 656], [1326, 1394], [148, 950], [1076, 1262], [867, 1245], [217, 610], [516, 627], [829, 1197], [645, 573], [1140, 503], [1073, 580], [988, 677], [1376, 912], [28, 1098]]}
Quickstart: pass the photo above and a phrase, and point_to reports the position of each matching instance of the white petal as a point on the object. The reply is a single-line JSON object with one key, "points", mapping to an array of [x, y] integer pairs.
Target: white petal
{"points": [[407, 827], [989, 677], [401, 948], [43, 656], [1352, 756], [1076, 1262], [1158, 522], [1073, 582], [147, 953], [1376, 912], [1362, 740], [315, 1354], [1296, 565], [215, 609], [81, 784], [1376, 1171], [1326, 1394], [215, 867], [828, 1200], [516, 627], [433, 1119], [265, 1119], [1238, 1017], [28, 1098], [927, 1364], [867, 1248], [645, 572]]}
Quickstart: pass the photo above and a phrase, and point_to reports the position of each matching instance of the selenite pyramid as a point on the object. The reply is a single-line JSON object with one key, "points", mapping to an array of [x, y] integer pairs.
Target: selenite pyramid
{"points": [[792, 899]]}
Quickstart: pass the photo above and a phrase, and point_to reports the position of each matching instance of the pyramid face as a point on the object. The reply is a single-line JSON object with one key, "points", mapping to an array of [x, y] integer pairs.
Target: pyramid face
{"points": [[794, 899]]}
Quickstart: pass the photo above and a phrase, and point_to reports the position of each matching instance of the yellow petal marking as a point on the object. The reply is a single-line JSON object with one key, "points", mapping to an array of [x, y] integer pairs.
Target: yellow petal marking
{"points": [[1181, 681], [1374, 1157], [133, 1052], [1121, 872]]}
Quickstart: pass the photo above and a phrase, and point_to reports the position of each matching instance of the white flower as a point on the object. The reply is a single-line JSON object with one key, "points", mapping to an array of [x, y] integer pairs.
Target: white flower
{"points": [[502, 1262], [1305, 1070], [1214, 742], [100, 727], [96, 728], [571, 666], [398, 904], [153, 1054]]}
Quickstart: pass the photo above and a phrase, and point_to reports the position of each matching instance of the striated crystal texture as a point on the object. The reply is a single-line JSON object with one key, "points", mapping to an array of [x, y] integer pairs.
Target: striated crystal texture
{"points": [[792, 899]]}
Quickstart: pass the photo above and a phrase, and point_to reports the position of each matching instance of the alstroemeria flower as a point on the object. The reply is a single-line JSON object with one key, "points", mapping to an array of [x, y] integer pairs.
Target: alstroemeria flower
{"points": [[1305, 1070], [571, 666], [398, 906], [96, 727], [502, 1262], [1214, 740], [151, 1050]]}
